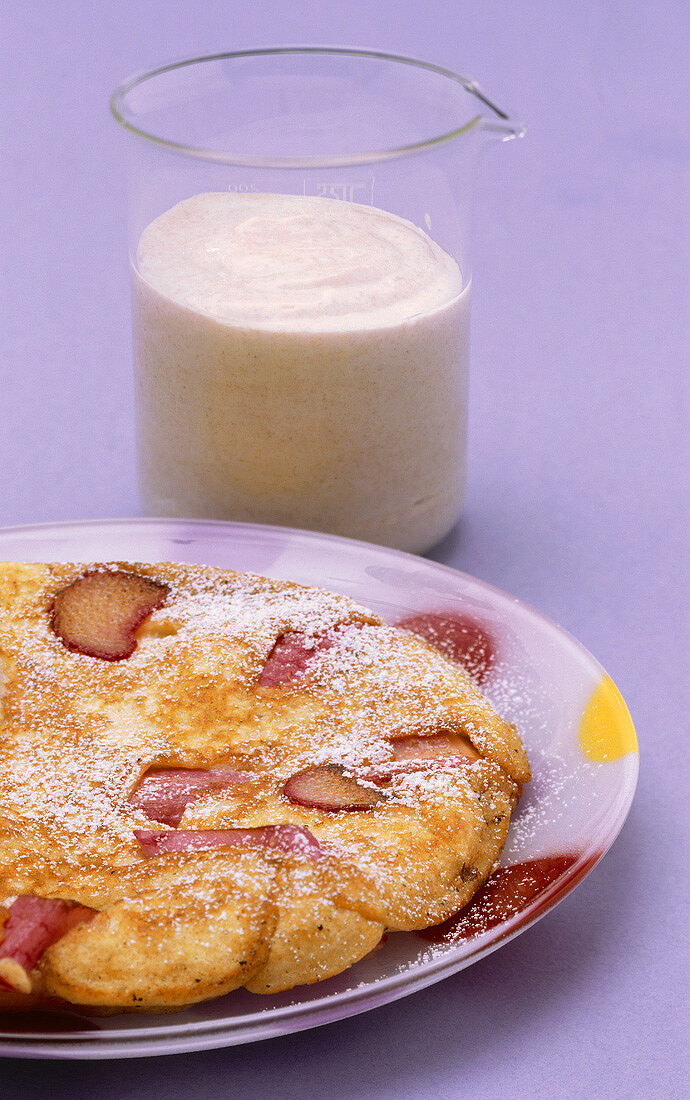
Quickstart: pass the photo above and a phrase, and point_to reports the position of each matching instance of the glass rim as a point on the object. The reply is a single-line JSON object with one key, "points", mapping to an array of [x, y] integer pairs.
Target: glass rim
{"points": [[499, 122]]}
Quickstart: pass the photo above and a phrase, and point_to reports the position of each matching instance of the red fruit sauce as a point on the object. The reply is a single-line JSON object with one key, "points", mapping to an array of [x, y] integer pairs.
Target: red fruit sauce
{"points": [[458, 636], [509, 891]]}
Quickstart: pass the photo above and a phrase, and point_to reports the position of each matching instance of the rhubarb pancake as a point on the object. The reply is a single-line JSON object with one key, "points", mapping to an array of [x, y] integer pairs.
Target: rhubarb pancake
{"points": [[211, 780]]}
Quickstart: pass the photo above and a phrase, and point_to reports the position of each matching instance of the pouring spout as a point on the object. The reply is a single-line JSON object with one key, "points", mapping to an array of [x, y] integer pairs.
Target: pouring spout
{"points": [[504, 131], [498, 123]]}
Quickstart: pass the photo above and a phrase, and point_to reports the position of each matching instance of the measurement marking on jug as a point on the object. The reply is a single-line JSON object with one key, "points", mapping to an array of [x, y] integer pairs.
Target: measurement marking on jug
{"points": [[361, 191]]}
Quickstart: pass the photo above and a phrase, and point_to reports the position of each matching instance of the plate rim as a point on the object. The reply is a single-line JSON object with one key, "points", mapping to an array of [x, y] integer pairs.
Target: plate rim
{"points": [[137, 1042], [316, 536]]}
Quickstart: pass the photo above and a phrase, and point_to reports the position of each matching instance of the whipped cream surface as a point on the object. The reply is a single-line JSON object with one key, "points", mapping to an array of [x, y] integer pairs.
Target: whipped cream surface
{"points": [[295, 261]]}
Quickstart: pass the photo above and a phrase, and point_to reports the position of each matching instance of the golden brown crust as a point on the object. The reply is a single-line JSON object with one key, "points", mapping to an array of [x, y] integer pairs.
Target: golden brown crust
{"points": [[77, 734], [315, 937], [201, 928]]}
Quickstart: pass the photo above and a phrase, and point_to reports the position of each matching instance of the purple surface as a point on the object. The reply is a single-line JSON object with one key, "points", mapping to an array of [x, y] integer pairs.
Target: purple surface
{"points": [[578, 476]]}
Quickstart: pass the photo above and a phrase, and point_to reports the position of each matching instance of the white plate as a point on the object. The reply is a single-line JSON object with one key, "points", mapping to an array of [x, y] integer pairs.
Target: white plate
{"points": [[576, 728]]}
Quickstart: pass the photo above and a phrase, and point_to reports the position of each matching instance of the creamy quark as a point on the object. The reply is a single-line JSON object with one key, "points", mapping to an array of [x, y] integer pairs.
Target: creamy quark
{"points": [[301, 361]]}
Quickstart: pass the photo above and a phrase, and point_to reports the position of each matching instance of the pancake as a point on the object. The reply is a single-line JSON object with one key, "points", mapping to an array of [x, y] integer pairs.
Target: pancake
{"points": [[211, 780]]}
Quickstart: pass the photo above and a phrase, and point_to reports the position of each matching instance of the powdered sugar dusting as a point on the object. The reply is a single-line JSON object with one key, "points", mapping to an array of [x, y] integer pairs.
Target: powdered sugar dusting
{"points": [[81, 731]]}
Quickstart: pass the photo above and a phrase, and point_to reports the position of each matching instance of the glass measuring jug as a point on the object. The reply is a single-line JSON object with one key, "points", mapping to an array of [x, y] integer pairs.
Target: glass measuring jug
{"points": [[299, 246]]}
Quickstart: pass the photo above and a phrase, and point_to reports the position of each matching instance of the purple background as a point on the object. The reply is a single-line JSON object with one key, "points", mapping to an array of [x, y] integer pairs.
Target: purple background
{"points": [[578, 476]]}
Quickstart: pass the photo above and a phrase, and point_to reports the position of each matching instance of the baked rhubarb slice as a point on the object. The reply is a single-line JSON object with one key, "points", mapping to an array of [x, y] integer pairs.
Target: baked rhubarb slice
{"points": [[33, 924], [294, 651], [293, 839], [100, 612], [164, 793], [418, 754], [328, 787]]}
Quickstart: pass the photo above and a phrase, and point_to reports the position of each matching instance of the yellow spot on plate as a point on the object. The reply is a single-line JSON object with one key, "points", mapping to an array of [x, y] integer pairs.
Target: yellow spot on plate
{"points": [[606, 729]]}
